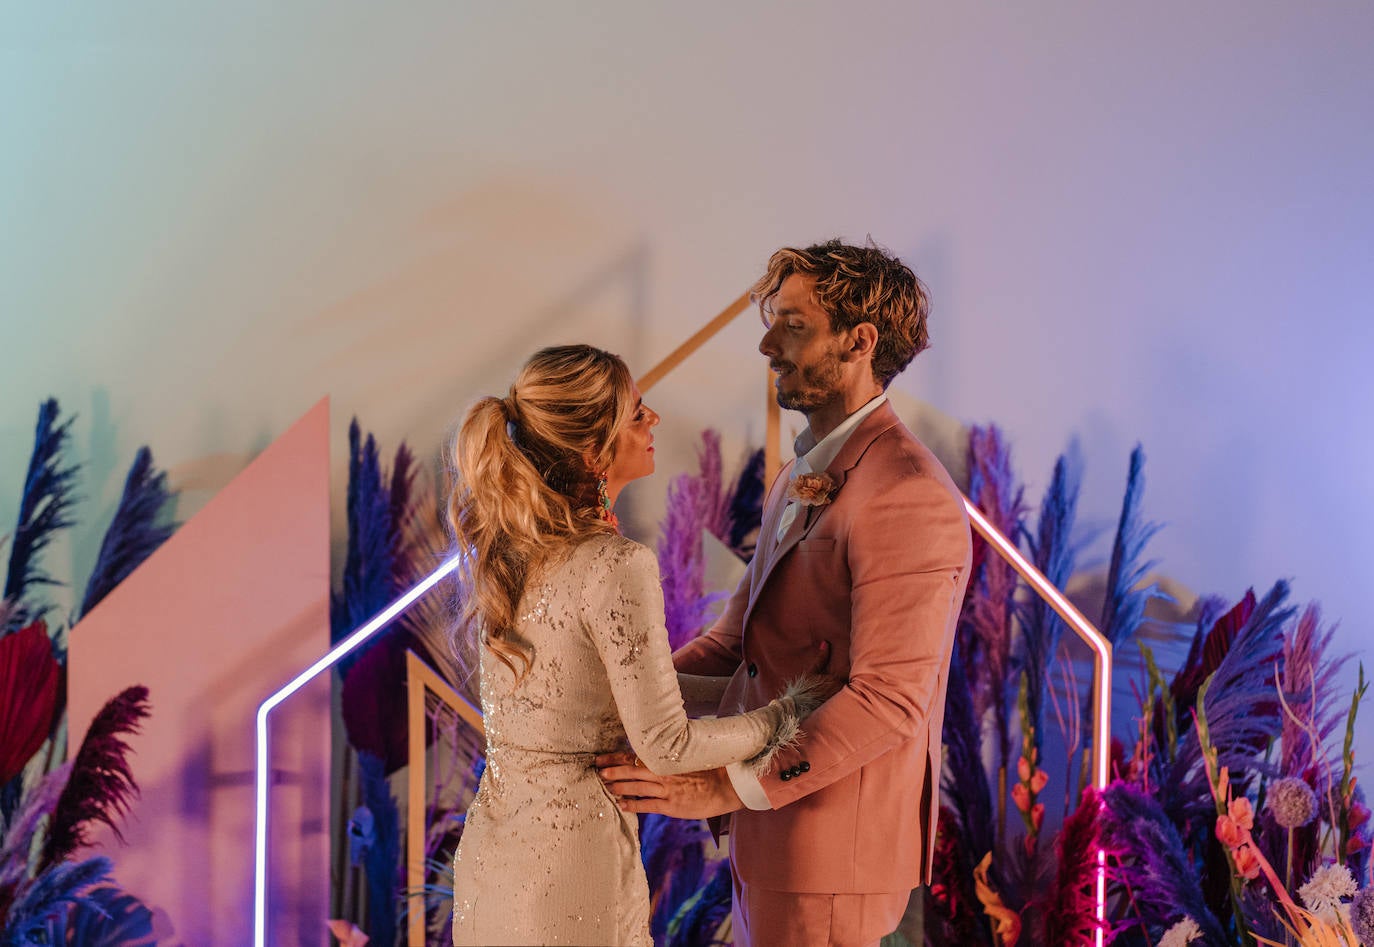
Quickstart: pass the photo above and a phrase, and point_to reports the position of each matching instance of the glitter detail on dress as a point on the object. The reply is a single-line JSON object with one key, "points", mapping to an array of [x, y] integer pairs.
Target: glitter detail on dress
{"points": [[546, 856]]}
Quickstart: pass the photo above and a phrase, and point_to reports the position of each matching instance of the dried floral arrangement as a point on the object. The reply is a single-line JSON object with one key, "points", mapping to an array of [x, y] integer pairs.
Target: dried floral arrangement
{"points": [[50, 892], [1234, 763]]}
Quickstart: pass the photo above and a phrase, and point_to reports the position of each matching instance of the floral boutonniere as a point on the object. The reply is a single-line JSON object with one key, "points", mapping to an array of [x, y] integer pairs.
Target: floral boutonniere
{"points": [[812, 489]]}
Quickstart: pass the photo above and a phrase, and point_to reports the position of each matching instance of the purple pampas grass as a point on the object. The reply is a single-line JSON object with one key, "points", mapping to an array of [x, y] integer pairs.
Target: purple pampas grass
{"points": [[695, 503], [986, 624], [102, 783], [1071, 908], [1149, 860], [1312, 690]]}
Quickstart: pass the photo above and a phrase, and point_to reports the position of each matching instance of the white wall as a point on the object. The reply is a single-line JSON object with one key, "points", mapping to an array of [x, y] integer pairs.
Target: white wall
{"points": [[1139, 221]]}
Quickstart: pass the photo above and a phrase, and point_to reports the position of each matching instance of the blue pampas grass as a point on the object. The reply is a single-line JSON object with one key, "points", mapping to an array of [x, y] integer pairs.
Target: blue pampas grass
{"points": [[107, 917], [1124, 608], [701, 915], [135, 532], [50, 896], [963, 780], [369, 561], [44, 509], [671, 850], [1243, 713], [381, 861], [746, 506], [1054, 554], [1151, 862]]}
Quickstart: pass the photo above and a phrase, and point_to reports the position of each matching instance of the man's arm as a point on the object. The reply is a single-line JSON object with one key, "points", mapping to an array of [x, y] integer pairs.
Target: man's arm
{"points": [[907, 558]]}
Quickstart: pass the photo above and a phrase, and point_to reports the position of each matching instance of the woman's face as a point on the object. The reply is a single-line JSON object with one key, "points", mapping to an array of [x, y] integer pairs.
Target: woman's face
{"points": [[634, 448]]}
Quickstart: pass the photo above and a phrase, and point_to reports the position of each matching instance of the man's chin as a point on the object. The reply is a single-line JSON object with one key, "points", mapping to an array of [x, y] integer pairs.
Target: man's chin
{"points": [[797, 403]]}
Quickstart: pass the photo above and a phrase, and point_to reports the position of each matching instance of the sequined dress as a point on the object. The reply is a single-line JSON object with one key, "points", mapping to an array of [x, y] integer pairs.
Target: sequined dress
{"points": [[546, 857]]}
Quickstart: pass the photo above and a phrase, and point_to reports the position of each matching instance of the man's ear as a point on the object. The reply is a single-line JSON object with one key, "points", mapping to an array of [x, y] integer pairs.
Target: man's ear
{"points": [[863, 341]]}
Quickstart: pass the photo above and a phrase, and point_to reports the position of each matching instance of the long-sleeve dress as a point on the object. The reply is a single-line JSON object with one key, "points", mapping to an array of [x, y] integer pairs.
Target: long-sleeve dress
{"points": [[546, 857]]}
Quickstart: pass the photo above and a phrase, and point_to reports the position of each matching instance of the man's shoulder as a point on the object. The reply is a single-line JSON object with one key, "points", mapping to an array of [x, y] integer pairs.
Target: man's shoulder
{"points": [[897, 456]]}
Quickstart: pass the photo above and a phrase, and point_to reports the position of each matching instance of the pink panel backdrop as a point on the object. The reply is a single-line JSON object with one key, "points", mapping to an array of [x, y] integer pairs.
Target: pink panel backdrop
{"points": [[231, 608]]}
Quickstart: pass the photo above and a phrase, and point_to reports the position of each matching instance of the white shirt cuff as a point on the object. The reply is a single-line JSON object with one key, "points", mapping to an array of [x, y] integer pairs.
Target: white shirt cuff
{"points": [[747, 787]]}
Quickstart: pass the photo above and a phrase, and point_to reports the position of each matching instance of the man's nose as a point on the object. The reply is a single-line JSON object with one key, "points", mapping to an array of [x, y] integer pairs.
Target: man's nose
{"points": [[768, 345]]}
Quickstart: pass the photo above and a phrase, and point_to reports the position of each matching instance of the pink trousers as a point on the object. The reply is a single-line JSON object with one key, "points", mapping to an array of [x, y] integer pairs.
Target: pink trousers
{"points": [[763, 918]]}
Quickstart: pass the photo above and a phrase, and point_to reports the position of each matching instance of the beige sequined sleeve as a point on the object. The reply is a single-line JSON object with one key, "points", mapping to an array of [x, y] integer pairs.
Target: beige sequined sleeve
{"points": [[622, 610]]}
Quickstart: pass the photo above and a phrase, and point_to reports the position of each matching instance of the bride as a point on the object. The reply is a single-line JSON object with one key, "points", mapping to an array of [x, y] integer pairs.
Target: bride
{"points": [[574, 659]]}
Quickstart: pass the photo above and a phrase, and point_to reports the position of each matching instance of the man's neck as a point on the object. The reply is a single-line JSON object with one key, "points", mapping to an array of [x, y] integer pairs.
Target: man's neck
{"points": [[826, 418]]}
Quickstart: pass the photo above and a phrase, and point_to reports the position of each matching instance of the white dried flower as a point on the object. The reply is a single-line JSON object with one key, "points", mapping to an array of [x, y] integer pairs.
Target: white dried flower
{"points": [[1184, 932], [1324, 891]]}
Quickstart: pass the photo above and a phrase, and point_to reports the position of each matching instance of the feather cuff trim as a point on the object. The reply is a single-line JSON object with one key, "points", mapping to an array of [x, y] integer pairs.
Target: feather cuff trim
{"points": [[802, 696]]}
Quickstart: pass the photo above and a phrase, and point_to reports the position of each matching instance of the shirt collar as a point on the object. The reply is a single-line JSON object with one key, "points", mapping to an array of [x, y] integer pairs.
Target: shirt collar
{"points": [[813, 455]]}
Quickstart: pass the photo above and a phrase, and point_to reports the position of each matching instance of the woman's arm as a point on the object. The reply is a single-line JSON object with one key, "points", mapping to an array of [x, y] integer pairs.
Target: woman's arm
{"points": [[622, 610]]}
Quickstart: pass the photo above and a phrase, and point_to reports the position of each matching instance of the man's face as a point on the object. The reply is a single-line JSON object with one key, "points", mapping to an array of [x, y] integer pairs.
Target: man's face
{"points": [[802, 349]]}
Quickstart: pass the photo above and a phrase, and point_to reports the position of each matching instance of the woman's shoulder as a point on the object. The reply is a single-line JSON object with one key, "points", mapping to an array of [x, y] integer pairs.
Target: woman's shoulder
{"points": [[609, 552]]}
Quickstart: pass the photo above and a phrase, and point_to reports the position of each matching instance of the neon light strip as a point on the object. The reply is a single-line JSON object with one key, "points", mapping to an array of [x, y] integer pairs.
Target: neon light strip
{"points": [[1102, 678], [368, 629], [1102, 694]]}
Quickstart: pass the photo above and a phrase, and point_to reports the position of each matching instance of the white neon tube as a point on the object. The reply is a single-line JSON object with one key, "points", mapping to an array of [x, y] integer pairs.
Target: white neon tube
{"points": [[367, 630], [1102, 658]]}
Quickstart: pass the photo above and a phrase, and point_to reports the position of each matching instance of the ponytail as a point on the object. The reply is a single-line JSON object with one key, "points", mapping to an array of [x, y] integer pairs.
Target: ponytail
{"points": [[524, 490]]}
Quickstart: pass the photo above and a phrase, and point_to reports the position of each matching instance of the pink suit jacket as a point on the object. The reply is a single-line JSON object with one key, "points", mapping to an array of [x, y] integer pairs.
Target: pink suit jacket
{"points": [[879, 573]]}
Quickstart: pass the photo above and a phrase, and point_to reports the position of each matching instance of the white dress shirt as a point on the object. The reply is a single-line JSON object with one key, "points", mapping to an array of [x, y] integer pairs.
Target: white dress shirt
{"points": [[812, 455]]}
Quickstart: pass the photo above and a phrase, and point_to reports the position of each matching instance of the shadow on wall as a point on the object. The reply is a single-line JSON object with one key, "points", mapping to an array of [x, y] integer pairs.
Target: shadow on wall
{"points": [[482, 281]]}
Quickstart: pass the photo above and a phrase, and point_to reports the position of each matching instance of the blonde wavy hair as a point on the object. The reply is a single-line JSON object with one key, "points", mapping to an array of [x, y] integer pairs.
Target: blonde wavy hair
{"points": [[525, 481]]}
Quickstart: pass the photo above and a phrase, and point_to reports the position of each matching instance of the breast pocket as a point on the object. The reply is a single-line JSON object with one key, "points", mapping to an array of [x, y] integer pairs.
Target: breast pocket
{"points": [[821, 544]]}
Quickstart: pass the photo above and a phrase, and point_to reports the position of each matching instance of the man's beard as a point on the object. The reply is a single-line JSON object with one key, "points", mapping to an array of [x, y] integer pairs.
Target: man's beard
{"points": [[820, 385]]}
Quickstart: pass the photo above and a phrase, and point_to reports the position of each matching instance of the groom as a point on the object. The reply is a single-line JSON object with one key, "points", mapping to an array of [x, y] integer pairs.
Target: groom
{"points": [[864, 550]]}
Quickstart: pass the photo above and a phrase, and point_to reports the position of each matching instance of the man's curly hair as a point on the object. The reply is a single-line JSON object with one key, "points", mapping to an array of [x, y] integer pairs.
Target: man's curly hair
{"points": [[854, 285]]}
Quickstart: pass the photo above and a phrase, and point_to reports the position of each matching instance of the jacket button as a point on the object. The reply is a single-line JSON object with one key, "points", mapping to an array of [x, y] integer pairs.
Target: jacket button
{"points": [[804, 767], [785, 775], [753, 670]]}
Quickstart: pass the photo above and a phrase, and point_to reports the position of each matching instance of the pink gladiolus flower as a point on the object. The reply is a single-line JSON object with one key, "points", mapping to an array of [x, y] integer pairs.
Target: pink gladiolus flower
{"points": [[1023, 770], [1242, 812], [1021, 796], [1038, 816], [1247, 862], [1228, 833], [1039, 780]]}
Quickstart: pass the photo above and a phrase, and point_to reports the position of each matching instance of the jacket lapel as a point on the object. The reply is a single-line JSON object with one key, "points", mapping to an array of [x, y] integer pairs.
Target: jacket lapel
{"points": [[882, 418]]}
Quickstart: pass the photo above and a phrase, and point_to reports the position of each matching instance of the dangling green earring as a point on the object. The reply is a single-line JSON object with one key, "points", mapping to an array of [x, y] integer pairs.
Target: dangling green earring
{"points": [[603, 501]]}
